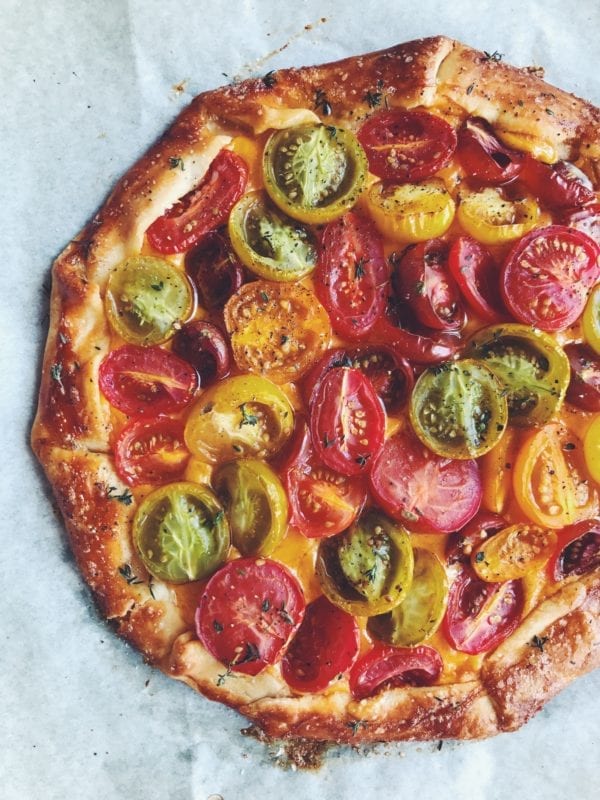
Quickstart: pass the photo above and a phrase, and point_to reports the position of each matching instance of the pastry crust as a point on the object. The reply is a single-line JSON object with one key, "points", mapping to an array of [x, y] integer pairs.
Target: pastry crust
{"points": [[73, 428]]}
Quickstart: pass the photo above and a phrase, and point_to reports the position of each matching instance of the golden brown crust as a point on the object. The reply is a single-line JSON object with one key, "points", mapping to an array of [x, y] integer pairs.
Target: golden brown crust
{"points": [[72, 431]]}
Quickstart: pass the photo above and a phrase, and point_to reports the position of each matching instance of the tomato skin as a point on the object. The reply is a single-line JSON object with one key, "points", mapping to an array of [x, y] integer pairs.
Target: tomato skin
{"points": [[325, 646], [559, 185], [461, 544], [584, 387], [397, 666], [406, 145], [347, 421], [424, 491], [352, 275], [586, 220], [248, 613], [203, 345], [481, 615], [547, 276], [214, 270], [203, 209], [150, 450], [578, 550], [414, 347], [484, 157], [146, 380], [473, 268], [423, 281]]}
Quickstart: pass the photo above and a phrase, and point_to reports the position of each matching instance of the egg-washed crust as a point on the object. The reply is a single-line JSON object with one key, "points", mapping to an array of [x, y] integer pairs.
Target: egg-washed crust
{"points": [[557, 642]]}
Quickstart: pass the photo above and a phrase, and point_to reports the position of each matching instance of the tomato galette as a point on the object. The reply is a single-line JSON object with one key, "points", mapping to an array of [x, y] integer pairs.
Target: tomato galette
{"points": [[320, 402]]}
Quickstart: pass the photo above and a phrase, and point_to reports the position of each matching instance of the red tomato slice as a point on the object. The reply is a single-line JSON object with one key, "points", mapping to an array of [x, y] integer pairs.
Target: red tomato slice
{"points": [[407, 145], [414, 346], [473, 268], [205, 347], [248, 613], [394, 666], [461, 544], [578, 550], [215, 270], [547, 276], [347, 421], [325, 647], [480, 615], [586, 220], [422, 490], [560, 185], [484, 157], [352, 275], [322, 502], [146, 380], [423, 281], [584, 386], [151, 451], [203, 209]]}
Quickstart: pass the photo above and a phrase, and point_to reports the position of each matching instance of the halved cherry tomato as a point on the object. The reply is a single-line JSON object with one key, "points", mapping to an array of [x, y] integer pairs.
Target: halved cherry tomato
{"points": [[492, 218], [352, 275], [248, 613], [586, 220], [322, 502], [578, 551], [324, 648], [406, 145], [271, 245], [591, 449], [513, 553], [548, 275], [423, 490], [421, 612], [244, 416], [458, 409], [255, 504], [584, 387], [483, 156], [147, 299], [204, 346], [496, 472], [549, 479], [480, 615], [314, 172], [146, 380], [181, 533], [347, 421], [591, 320], [532, 366], [213, 267], [411, 212], [203, 209], [474, 270], [423, 281], [368, 569], [460, 545], [413, 346], [385, 666], [560, 185], [276, 329], [151, 451]]}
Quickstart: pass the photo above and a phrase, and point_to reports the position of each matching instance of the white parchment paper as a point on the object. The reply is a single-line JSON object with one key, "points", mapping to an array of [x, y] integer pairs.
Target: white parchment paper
{"points": [[86, 88]]}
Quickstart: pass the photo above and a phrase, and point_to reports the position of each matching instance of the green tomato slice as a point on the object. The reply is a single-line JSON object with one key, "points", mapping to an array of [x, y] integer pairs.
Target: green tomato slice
{"points": [[273, 246], [458, 409], [314, 172], [147, 299], [532, 367], [181, 533], [368, 569], [255, 503], [420, 614]]}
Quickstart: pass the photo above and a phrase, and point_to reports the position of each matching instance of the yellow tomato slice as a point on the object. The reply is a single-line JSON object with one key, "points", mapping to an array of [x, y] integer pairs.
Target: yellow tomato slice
{"points": [[591, 449], [492, 218], [513, 553], [496, 472], [549, 480], [411, 212]]}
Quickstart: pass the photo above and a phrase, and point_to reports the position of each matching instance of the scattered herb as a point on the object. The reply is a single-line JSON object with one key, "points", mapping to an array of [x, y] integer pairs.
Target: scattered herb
{"points": [[362, 460], [359, 268], [264, 296], [569, 446], [355, 725], [223, 676], [420, 288], [237, 448], [370, 573], [373, 98], [251, 654], [126, 497], [218, 518], [266, 604], [127, 573], [549, 112], [158, 287], [247, 419], [322, 103], [56, 372], [217, 626], [539, 642], [285, 616], [284, 339], [176, 161], [470, 88], [332, 131], [328, 442], [440, 744], [269, 79], [63, 338], [495, 56], [480, 557]]}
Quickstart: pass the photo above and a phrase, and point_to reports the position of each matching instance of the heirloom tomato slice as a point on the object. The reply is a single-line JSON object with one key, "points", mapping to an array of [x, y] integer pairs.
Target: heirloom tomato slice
{"points": [[385, 666], [578, 550], [204, 346], [584, 387], [492, 218], [411, 212], [460, 545], [585, 220], [146, 380], [548, 275], [151, 451], [513, 552], [560, 185], [214, 269], [424, 490], [352, 276], [406, 146], [203, 209], [483, 156], [347, 421], [473, 268], [277, 329], [248, 613], [324, 648]]}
